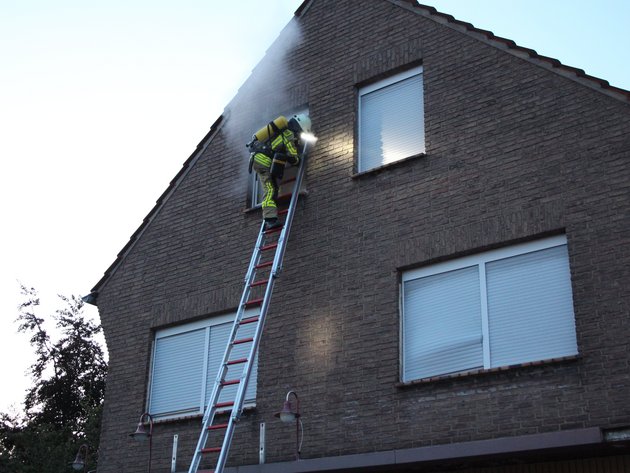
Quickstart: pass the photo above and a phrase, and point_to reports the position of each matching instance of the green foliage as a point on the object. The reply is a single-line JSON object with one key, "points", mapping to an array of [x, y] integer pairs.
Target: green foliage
{"points": [[62, 409]]}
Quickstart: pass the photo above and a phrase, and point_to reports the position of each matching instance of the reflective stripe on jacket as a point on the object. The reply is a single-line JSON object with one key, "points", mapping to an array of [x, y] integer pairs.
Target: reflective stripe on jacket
{"points": [[285, 143]]}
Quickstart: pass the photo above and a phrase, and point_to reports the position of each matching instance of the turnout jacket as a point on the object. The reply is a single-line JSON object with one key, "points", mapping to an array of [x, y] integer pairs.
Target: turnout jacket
{"points": [[283, 143]]}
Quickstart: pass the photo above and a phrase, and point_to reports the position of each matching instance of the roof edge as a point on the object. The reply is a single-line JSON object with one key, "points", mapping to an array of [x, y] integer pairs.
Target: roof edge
{"points": [[488, 37], [509, 46], [188, 164], [303, 7], [159, 203]]}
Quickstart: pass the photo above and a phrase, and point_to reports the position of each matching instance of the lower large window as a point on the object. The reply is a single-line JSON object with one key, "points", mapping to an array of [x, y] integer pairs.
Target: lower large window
{"points": [[494, 309], [186, 360]]}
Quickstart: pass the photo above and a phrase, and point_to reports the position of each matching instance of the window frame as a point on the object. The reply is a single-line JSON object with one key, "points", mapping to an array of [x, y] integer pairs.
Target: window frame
{"points": [[480, 260], [379, 85], [205, 390]]}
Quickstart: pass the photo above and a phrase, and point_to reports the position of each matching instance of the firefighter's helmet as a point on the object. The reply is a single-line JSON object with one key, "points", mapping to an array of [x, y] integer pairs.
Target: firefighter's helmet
{"points": [[300, 122]]}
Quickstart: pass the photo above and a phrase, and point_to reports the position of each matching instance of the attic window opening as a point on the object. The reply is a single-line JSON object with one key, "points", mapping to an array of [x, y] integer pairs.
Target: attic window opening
{"points": [[391, 120], [256, 191]]}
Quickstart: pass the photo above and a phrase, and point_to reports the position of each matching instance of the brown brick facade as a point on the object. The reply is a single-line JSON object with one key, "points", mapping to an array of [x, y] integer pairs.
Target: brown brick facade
{"points": [[514, 151]]}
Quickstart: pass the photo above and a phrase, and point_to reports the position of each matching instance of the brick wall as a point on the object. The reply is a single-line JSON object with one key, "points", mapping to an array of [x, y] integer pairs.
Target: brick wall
{"points": [[513, 152]]}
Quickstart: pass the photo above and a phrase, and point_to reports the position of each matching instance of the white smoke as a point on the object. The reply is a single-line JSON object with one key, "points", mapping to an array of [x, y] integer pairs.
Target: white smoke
{"points": [[266, 94]]}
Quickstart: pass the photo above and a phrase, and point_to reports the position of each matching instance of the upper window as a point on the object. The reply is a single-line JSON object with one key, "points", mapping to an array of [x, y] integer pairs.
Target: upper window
{"points": [[186, 360], [391, 120], [494, 309]]}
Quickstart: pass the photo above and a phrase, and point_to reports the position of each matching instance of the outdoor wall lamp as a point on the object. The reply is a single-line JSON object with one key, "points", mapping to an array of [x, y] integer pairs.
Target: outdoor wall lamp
{"points": [[287, 415], [141, 434], [81, 460]]}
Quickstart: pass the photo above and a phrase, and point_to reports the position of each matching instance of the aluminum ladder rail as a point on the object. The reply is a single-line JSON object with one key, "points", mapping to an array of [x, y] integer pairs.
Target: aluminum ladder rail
{"points": [[240, 320]]}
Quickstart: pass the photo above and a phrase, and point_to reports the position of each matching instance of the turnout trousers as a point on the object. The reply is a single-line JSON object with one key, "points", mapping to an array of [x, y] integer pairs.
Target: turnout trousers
{"points": [[262, 166]]}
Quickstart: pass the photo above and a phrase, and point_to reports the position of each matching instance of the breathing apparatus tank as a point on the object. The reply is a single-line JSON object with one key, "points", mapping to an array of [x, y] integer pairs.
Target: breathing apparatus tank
{"points": [[271, 129], [261, 140]]}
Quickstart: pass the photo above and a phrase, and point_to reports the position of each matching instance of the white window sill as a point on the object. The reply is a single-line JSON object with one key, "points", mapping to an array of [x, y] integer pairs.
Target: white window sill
{"points": [[480, 371], [387, 166], [198, 415]]}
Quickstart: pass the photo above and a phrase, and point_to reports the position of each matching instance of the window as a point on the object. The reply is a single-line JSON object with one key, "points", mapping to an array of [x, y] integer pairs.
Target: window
{"points": [[391, 120], [186, 360], [498, 308]]}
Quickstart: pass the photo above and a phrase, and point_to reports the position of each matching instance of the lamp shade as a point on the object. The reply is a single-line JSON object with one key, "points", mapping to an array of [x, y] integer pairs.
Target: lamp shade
{"points": [[79, 463], [287, 414], [141, 433]]}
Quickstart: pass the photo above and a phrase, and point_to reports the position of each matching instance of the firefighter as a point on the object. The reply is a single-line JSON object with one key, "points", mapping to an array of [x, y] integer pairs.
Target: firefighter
{"points": [[272, 147]]}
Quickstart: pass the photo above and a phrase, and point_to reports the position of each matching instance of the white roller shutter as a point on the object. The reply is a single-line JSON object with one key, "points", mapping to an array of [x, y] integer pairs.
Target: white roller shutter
{"points": [[442, 324], [178, 363], [391, 122], [499, 308], [530, 307], [186, 360]]}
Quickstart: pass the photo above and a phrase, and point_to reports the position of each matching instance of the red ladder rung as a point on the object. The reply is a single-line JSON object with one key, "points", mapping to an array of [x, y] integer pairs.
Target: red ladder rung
{"points": [[284, 197], [230, 382], [254, 302], [211, 450], [264, 265], [268, 247], [259, 283], [283, 212], [224, 404], [243, 340], [287, 181], [218, 427], [249, 320], [237, 361], [274, 230]]}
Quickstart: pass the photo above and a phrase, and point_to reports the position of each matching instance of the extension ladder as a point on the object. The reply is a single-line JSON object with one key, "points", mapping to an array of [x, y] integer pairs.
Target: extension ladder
{"points": [[269, 242]]}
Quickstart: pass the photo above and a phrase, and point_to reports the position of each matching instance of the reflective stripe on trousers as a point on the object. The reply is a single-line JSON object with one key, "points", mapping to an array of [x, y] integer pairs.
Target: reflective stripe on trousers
{"points": [[269, 206]]}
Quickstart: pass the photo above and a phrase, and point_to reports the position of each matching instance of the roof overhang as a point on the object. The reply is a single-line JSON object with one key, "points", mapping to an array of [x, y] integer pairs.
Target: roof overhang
{"points": [[579, 443]]}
